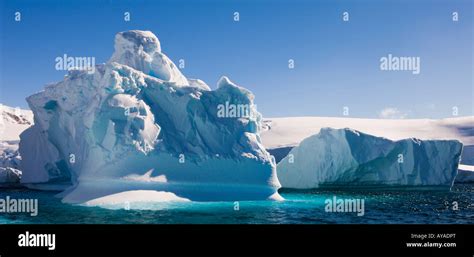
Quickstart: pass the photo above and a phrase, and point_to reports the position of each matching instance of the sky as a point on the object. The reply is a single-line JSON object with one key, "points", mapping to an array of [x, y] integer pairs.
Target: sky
{"points": [[336, 62]]}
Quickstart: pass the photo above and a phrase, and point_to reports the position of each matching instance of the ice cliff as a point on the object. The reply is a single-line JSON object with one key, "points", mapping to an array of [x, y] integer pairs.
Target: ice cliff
{"points": [[345, 158], [138, 116]]}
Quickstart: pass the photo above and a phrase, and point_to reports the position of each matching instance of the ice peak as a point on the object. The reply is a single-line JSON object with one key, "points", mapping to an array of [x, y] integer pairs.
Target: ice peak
{"points": [[141, 50], [137, 39], [223, 81]]}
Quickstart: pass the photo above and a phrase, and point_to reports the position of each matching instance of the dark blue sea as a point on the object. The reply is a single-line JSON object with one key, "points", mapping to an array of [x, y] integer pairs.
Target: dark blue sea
{"points": [[300, 207]]}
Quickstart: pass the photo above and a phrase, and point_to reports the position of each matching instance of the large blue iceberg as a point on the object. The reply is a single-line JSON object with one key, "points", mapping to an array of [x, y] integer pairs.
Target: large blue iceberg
{"points": [[137, 123]]}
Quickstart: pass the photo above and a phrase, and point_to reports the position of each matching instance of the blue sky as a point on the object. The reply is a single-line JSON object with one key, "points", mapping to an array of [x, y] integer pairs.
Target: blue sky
{"points": [[336, 62]]}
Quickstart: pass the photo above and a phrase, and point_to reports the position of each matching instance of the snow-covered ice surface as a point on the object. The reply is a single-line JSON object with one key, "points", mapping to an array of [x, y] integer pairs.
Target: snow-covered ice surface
{"points": [[465, 174], [466, 167], [138, 113], [9, 163], [290, 131], [346, 158], [12, 122], [9, 175]]}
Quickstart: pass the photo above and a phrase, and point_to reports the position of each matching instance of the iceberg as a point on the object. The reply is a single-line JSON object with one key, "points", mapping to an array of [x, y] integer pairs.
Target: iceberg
{"points": [[349, 159], [9, 164], [12, 122], [465, 174], [9, 176], [137, 123]]}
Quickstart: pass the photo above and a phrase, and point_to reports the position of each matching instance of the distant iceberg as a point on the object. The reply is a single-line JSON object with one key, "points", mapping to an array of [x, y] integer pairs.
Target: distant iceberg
{"points": [[345, 158], [12, 122], [136, 117], [465, 174], [9, 176]]}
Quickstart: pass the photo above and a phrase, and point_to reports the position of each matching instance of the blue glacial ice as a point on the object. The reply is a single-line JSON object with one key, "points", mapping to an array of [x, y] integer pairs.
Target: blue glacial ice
{"points": [[138, 116], [345, 158]]}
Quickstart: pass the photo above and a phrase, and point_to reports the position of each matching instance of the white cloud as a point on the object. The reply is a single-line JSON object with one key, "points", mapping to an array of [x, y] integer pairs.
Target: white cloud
{"points": [[392, 113]]}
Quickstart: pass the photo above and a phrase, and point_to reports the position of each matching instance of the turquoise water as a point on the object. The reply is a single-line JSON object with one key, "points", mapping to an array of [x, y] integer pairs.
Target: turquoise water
{"points": [[299, 207]]}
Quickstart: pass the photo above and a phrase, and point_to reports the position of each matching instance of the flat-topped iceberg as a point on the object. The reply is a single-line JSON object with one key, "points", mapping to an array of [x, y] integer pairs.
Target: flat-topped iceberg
{"points": [[465, 174], [345, 158], [139, 116]]}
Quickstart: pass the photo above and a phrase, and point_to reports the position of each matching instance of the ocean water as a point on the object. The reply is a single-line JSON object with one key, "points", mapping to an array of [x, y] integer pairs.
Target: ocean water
{"points": [[400, 207]]}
